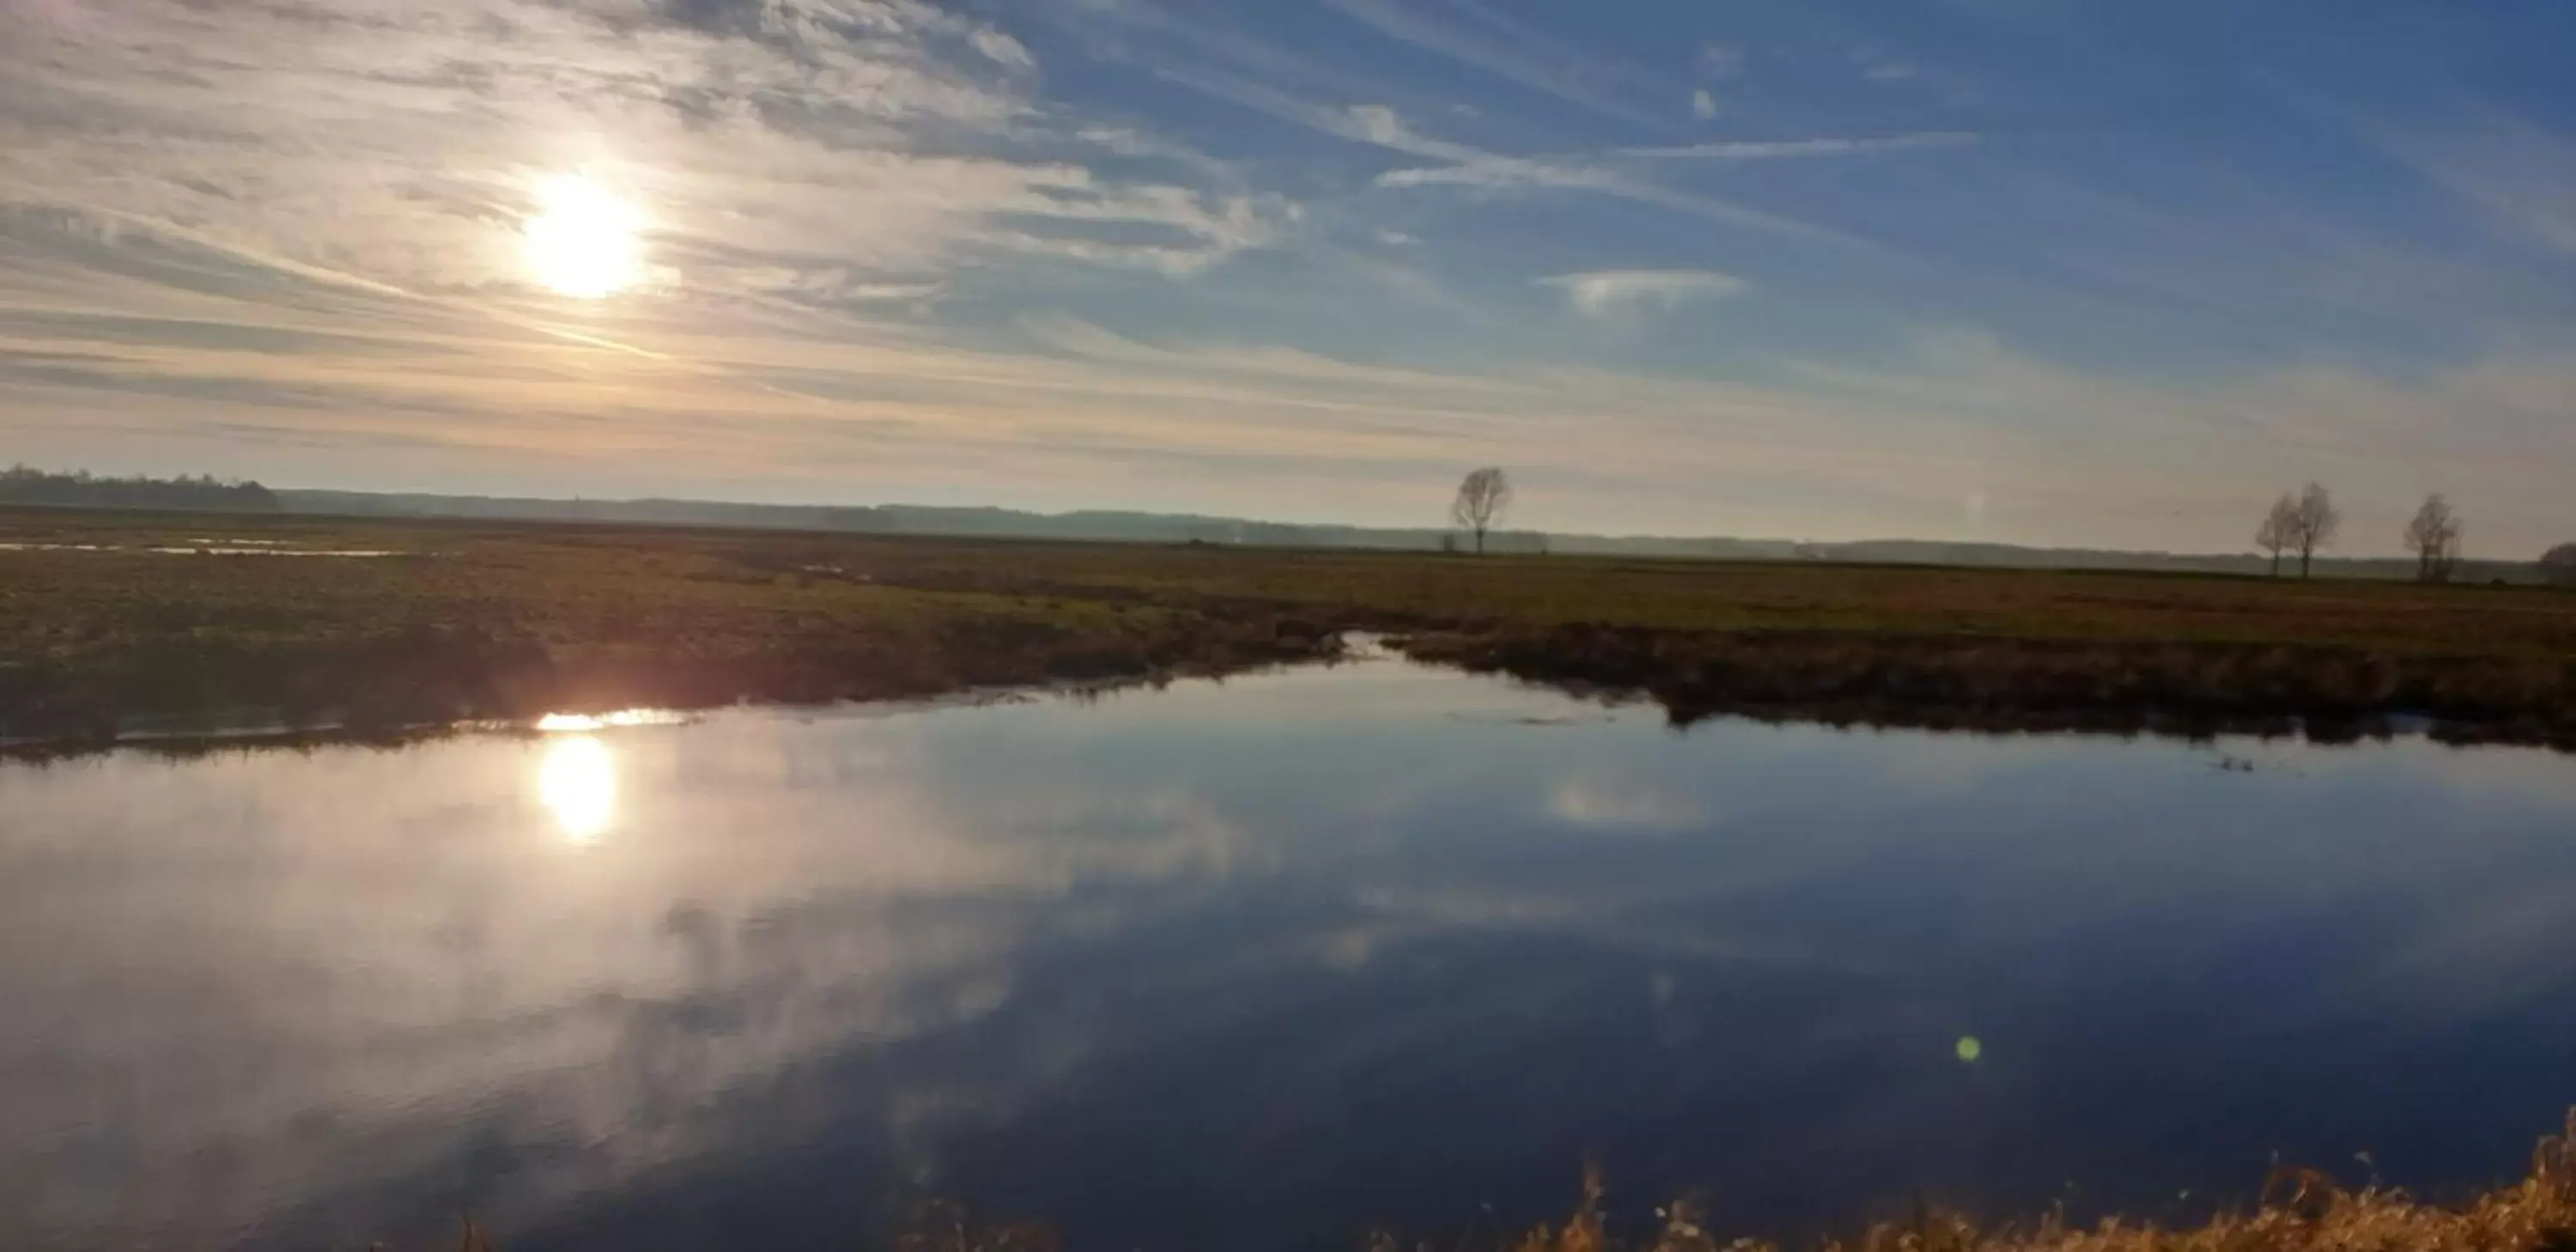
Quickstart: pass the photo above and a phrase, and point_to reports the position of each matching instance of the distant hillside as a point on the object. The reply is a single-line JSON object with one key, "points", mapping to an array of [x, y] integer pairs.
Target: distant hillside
{"points": [[894, 519], [1124, 527], [79, 489], [24, 486]]}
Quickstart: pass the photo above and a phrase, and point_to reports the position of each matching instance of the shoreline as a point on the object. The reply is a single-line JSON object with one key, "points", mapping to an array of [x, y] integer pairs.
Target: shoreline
{"points": [[2185, 691], [1685, 697], [257, 731], [255, 727]]}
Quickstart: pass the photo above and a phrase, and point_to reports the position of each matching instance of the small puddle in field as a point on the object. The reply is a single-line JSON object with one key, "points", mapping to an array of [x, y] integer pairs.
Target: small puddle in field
{"points": [[240, 548]]}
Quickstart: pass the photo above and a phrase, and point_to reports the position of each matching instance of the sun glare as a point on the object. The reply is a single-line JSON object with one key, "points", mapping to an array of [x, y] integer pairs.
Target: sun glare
{"points": [[583, 240], [577, 782]]}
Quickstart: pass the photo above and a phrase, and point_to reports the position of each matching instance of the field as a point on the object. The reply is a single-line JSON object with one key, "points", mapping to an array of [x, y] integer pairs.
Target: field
{"points": [[98, 632]]}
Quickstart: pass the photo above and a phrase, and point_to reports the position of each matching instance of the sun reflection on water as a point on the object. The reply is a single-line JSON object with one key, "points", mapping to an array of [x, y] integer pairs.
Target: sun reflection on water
{"points": [[558, 723], [577, 781]]}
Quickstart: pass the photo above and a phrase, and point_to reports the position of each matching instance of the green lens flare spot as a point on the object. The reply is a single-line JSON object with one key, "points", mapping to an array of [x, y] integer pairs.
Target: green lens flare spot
{"points": [[1970, 1048]]}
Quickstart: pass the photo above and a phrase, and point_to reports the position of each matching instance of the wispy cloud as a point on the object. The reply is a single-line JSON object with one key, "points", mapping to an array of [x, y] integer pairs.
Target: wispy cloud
{"points": [[2519, 176], [902, 249], [1499, 174], [1792, 149], [269, 370], [1380, 124], [766, 136], [1616, 172], [1468, 166], [1472, 33], [1609, 293]]}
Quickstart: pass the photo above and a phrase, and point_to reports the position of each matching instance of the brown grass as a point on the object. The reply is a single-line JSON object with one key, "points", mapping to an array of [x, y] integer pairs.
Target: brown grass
{"points": [[2302, 1211], [2190, 688], [478, 620]]}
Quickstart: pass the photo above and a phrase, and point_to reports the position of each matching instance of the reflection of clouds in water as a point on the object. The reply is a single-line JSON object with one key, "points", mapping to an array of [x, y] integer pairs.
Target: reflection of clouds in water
{"points": [[370, 942], [1670, 921], [1609, 804], [1158, 834], [2533, 778], [2515, 952], [1959, 764], [350, 972]]}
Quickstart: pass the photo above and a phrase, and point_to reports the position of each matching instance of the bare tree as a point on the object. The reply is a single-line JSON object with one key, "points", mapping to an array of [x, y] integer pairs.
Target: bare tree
{"points": [[1482, 500], [2435, 537], [2559, 565], [2317, 525], [2280, 530]]}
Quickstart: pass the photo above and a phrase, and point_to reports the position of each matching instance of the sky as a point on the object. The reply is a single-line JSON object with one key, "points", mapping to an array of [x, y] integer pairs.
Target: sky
{"points": [[2064, 272]]}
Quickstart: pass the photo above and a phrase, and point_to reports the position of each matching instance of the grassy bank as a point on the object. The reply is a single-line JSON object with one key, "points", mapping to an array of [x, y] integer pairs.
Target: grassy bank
{"points": [[2330, 692], [2301, 1211], [469, 620], [476, 623]]}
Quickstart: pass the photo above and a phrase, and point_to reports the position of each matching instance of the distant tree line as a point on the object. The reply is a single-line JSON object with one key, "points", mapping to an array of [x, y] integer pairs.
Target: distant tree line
{"points": [[80, 489], [2304, 522], [2559, 566], [2301, 523]]}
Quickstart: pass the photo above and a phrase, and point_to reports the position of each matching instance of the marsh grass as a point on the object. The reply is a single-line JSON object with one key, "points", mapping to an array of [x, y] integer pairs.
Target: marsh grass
{"points": [[2301, 1210], [2329, 693], [477, 620]]}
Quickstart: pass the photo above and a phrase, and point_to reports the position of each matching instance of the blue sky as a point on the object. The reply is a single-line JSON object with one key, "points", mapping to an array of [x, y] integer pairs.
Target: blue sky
{"points": [[2022, 270]]}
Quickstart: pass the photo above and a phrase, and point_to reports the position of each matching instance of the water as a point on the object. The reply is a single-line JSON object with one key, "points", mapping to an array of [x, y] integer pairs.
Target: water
{"points": [[236, 547], [1254, 965]]}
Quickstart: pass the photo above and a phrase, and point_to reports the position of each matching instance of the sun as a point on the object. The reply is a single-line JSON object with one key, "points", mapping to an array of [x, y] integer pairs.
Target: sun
{"points": [[583, 241]]}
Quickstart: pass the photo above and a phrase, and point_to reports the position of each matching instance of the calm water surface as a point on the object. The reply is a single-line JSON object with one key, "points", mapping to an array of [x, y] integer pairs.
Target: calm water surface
{"points": [[1254, 965]]}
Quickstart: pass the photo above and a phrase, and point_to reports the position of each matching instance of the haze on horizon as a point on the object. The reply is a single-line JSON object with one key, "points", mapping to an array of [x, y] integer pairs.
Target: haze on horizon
{"points": [[2004, 270]]}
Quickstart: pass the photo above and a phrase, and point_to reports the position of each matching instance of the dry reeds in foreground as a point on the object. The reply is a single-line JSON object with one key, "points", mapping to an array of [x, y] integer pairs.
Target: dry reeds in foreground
{"points": [[2302, 1211]]}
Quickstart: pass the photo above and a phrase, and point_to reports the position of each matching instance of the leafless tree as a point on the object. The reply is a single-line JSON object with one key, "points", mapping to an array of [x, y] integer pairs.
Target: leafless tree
{"points": [[1482, 500], [2559, 565], [2317, 525], [2280, 530], [2435, 537]]}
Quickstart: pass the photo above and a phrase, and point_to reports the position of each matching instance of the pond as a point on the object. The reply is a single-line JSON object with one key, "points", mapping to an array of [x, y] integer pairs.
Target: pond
{"points": [[1259, 964]]}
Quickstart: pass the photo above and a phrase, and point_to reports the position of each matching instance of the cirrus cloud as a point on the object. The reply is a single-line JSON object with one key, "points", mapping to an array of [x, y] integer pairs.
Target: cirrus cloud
{"points": [[1606, 294]]}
